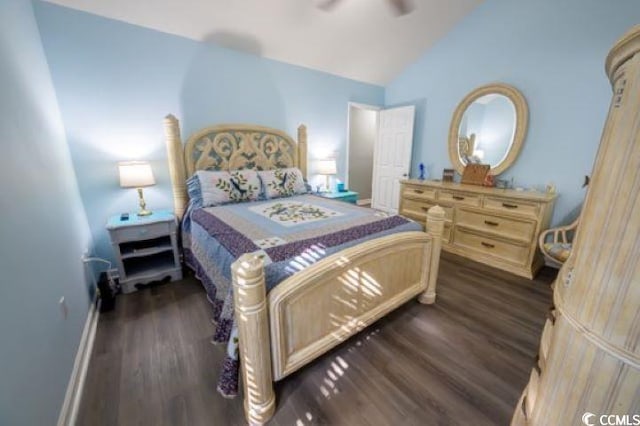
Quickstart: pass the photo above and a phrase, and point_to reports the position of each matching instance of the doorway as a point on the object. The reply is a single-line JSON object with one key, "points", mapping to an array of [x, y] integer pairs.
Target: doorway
{"points": [[379, 145], [362, 132]]}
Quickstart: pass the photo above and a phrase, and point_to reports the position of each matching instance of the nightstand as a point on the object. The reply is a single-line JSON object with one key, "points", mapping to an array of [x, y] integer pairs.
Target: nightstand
{"points": [[146, 248], [348, 196]]}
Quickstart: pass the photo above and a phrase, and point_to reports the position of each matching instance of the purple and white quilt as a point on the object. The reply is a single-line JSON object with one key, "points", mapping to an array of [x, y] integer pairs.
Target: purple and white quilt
{"points": [[289, 233]]}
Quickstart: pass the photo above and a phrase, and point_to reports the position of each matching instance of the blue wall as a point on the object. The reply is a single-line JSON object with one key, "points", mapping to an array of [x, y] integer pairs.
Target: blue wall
{"points": [[554, 52], [43, 231], [115, 83]]}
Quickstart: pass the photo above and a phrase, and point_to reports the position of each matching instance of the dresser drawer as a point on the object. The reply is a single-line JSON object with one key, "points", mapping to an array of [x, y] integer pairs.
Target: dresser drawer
{"points": [[459, 198], [141, 232], [512, 206], [507, 227], [418, 209], [510, 252], [418, 192], [421, 217]]}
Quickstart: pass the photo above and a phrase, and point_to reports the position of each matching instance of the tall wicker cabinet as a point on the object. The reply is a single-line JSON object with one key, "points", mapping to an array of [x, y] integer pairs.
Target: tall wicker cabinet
{"points": [[589, 358]]}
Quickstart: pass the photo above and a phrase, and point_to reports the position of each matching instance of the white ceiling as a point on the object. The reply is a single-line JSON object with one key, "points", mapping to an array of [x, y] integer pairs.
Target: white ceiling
{"points": [[359, 39]]}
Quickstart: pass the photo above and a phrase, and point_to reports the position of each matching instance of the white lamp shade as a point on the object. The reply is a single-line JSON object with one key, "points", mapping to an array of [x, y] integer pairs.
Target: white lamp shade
{"points": [[135, 174], [326, 167]]}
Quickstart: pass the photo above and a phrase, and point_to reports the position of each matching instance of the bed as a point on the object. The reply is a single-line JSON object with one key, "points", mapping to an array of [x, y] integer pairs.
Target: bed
{"points": [[334, 276]]}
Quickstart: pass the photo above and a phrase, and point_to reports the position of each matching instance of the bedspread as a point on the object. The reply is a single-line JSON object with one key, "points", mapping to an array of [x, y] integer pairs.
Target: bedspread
{"points": [[288, 233]]}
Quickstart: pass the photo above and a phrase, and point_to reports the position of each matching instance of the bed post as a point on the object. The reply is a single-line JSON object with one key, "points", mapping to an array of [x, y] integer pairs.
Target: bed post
{"points": [[251, 310], [175, 155], [435, 228], [302, 149]]}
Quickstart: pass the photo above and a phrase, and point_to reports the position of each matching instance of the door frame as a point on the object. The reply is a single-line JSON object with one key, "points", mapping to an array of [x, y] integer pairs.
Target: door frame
{"points": [[348, 139]]}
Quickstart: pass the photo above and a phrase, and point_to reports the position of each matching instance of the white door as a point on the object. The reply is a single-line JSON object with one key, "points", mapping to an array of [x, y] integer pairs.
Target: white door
{"points": [[392, 156]]}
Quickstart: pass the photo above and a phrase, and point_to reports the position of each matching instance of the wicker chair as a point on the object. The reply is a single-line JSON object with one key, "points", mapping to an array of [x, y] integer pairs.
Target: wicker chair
{"points": [[558, 248]]}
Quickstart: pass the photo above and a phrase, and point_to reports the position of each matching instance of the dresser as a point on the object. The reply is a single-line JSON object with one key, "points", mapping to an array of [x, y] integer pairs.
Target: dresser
{"points": [[499, 227]]}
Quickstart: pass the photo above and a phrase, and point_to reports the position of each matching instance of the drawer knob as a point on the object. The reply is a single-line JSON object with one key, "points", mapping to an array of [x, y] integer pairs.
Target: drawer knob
{"points": [[491, 223], [457, 197], [418, 191], [510, 206], [487, 245]]}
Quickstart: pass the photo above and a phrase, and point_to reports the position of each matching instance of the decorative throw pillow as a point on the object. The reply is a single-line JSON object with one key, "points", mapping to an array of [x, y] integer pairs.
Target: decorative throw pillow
{"points": [[220, 187], [210, 183], [282, 182], [244, 184]]}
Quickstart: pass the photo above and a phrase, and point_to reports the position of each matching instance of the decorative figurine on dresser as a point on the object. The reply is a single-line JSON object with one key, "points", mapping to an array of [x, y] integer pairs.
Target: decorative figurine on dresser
{"points": [[499, 227]]}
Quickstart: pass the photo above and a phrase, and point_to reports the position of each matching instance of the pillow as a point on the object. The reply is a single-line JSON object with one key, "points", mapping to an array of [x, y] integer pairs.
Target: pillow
{"points": [[214, 188], [282, 182], [245, 185]]}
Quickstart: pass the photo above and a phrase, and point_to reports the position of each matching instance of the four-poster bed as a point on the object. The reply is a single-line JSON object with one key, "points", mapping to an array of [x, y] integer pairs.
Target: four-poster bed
{"points": [[329, 299]]}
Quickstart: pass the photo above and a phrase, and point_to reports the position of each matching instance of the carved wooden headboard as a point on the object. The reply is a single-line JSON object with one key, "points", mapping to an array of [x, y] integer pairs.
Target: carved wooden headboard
{"points": [[229, 147]]}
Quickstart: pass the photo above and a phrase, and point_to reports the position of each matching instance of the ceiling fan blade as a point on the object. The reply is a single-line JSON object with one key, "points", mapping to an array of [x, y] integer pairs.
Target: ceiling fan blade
{"points": [[327, 5], [401, 7]]}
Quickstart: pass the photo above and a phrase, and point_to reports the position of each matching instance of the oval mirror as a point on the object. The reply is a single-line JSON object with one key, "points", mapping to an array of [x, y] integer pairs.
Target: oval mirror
{"points": [[488, 127]]}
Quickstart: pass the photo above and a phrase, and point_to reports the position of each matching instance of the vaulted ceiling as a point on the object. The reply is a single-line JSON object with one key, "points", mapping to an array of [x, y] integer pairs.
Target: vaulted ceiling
{"points": [[359, 39]]}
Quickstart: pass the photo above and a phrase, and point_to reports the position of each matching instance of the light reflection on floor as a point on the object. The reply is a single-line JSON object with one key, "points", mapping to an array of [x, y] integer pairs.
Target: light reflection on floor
{"points": [[329, 385]]}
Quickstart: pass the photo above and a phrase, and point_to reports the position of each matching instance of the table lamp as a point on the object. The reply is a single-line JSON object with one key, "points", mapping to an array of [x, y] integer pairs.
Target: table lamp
{"points": [[137, 174], [327, 168]]}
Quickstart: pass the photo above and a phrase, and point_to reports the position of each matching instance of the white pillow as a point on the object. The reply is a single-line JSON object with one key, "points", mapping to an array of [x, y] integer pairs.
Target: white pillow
{"points": [[220, 187], [282, 182]]}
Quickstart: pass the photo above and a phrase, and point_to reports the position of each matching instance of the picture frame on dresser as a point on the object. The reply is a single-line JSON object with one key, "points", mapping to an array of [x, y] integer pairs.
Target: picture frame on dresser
{"points": [[447, 175], [475, 174]]}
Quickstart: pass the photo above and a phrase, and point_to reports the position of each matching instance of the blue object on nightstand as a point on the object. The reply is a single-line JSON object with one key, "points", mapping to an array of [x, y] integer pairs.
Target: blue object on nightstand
{"points": [[348, 196], [421, 171]]}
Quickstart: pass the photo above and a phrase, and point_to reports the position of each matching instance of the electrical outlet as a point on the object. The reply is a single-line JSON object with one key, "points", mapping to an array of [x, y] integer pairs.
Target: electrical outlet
{"points": [[64, 309]]}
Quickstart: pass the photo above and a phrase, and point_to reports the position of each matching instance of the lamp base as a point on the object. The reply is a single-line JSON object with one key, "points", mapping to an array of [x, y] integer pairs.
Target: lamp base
{"points": [[143, 206]]}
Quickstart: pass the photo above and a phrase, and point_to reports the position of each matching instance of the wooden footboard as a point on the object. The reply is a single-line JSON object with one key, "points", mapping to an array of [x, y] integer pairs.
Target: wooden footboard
{"points": [[321, 306], [325, 303]]}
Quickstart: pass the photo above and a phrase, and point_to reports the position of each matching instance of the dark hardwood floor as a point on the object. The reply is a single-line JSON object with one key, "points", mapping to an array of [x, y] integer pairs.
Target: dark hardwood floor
{"points": [[464, 360]]}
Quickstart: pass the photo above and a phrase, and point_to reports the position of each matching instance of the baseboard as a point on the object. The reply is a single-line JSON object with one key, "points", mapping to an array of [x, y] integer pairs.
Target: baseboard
{"points": [[73, 396], [363, 202]]}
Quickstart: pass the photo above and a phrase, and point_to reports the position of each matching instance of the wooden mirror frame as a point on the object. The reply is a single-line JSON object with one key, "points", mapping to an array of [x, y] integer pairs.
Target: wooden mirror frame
{"points": [[522, 121]]}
